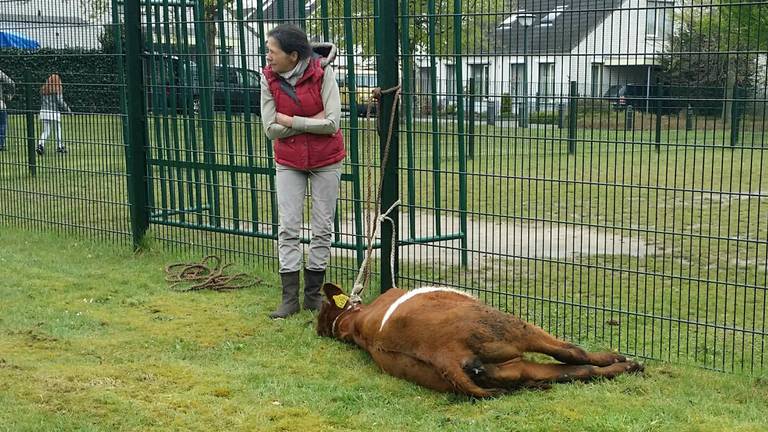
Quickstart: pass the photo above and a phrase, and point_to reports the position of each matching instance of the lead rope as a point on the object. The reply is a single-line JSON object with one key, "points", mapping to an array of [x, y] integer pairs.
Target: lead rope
{"points": [[363, 276]]}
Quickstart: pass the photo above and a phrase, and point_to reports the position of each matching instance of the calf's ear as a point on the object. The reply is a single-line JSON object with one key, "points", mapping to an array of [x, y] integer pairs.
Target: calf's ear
{"points": [[335, 295], [331, 290]]}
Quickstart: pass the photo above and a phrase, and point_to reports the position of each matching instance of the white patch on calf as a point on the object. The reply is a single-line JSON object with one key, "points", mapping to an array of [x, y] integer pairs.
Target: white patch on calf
{"points": [[413, 293]]}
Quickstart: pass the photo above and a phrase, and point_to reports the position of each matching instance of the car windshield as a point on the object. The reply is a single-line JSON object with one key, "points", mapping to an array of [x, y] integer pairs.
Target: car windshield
{"points": [[366, 80], [361, 80], [613, 90]]}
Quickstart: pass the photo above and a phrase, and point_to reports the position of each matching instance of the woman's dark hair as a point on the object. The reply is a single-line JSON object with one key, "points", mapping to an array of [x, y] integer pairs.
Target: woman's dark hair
{"points": [[291, 39]]}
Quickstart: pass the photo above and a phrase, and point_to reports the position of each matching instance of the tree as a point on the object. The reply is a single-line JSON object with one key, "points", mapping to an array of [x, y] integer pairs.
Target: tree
{"points": [[747, 21], [212, 16], [478, 20], [108, 41], [710, 53]]}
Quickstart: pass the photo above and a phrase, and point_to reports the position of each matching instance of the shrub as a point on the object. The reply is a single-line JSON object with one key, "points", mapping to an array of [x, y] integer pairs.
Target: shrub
{"points": [[506, 104], [89, 76], [544, 117]]}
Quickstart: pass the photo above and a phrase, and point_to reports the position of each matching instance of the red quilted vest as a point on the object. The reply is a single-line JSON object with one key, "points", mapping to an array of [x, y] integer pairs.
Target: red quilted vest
{"points": [[304, 151]]}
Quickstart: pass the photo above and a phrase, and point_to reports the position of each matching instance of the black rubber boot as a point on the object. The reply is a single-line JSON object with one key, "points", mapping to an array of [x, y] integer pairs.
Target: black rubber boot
{"points": [[290, 303], [313, 280]]}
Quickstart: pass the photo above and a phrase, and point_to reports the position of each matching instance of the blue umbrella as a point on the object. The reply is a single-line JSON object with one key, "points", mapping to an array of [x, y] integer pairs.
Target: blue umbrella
{"points": [[11, 40]]}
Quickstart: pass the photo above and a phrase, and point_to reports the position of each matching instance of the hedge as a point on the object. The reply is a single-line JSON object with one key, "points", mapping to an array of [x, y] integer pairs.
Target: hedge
{"points": [[89, 76]]}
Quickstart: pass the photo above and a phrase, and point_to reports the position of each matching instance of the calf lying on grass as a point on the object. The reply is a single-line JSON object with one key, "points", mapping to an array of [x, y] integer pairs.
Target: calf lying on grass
{"points": [[448, 341]]}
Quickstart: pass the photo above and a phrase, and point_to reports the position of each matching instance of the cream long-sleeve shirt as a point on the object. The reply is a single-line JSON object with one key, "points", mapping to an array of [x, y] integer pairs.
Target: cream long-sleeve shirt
{"points": [[318, 126]]}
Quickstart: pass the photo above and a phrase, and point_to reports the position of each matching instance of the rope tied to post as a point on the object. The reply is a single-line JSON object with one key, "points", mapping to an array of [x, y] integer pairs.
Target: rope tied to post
{"points": [[363, 276], [207, 274]]}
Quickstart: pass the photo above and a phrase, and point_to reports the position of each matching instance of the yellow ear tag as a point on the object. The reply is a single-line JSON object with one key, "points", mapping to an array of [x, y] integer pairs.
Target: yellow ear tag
{"points": [[340, 300]]}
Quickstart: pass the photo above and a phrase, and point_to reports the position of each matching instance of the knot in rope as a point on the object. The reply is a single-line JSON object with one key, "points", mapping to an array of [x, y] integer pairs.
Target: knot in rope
{"points": [[377, 92]]}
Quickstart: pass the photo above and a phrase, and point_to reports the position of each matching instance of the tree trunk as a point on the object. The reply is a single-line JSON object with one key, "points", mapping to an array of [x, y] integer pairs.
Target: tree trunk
{"points": [[210, 37], [210, 50], [730, 83]]}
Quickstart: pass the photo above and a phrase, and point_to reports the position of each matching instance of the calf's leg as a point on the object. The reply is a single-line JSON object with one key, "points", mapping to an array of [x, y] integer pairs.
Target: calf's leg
{"points": [[542, 342], [442, 374], [524, 373]]}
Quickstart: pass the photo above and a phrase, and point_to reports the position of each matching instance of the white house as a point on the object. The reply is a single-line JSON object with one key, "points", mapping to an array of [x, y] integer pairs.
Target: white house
{"points": [[597, 43], [53, 24]]}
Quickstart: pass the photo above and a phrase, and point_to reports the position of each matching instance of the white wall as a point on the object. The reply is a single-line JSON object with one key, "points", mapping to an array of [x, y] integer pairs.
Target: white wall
{"points": [[621, 44], [54, 24]]}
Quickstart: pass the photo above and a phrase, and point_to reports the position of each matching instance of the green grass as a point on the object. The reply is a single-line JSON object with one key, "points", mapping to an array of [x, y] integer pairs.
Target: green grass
{"points": [[91, 339], [697, 296]]}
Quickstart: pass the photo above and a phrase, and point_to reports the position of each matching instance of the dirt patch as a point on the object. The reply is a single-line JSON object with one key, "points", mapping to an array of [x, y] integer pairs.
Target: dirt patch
{"points": [[495, 238], [488, 238]]}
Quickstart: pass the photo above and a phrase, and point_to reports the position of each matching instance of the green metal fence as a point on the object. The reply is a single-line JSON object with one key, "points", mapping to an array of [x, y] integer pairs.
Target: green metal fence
{"points": [[596, 167]]}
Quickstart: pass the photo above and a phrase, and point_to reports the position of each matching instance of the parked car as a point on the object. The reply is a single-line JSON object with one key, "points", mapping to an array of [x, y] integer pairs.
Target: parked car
{"points": [[672, 99], [640, 97], [365, 81], [241, 86], [172, 81]]}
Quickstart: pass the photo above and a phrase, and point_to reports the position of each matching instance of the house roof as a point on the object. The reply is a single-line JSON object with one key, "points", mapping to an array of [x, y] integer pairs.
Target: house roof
{"points": [[42, 19], [558, 26], [291, 10]]}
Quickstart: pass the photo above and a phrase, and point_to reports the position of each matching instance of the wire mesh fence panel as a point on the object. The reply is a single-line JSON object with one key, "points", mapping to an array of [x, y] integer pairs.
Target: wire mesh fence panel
{"points": [[596, 167], [62, 164], [615, 180]]}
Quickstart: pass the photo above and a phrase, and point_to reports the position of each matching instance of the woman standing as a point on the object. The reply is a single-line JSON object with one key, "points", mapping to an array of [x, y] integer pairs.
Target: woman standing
{"points": [[51, 105], [300, 111]]}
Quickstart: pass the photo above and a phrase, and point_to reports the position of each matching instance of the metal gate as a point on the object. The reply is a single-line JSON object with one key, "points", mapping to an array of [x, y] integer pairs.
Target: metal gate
{"points": [[209, 166]]}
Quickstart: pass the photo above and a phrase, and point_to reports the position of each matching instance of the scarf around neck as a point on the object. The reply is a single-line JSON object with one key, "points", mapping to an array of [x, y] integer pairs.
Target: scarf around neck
{"points": [[293, 75]]}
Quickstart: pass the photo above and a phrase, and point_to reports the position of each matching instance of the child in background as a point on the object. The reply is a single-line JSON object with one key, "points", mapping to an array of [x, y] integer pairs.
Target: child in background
{"points": [[51, 105]]}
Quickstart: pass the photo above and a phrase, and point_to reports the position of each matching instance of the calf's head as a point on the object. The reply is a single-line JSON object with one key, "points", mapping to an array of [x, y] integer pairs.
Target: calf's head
{"points": [[334, 304]]}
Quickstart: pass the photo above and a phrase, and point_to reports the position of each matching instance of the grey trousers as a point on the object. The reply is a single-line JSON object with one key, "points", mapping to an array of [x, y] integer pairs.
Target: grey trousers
{"points": [[291, 187]]}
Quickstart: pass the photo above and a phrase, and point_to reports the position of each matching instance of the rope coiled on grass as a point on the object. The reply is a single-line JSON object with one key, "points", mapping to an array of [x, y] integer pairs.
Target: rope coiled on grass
{"points": [[207, 274]]}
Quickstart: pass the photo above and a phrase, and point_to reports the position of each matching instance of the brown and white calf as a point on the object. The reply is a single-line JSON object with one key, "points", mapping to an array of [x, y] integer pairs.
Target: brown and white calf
{"points": [[448, 341]]}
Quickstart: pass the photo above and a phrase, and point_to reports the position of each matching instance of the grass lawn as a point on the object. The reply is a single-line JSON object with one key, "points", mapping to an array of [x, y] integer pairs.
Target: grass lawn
{"points": [[91, 339], [696, 294]]}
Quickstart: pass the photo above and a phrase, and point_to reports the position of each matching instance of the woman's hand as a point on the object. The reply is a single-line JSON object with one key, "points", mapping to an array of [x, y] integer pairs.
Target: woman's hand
{"points": [[284, 120]]}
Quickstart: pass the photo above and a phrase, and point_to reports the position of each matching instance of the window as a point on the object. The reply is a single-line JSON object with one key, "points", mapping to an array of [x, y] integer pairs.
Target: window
{"points": [[450, 82], [517, 73], [656, 17], [550, 18], [597, 78], [425, 80], [546, 79], [507, 23], [480, 73], [366, 80]]}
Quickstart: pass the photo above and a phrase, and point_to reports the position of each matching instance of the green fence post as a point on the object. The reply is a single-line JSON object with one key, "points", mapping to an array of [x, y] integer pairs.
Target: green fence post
{"points": [[29, 116], [689, 118], [471, 119], [137, 123], [460, 124], [629, 118], [573, 111], [388, 73], [436, 147], [658, 94], [354, 135], [405, 40], [735, 115], [325, 23], [117, 32]]}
